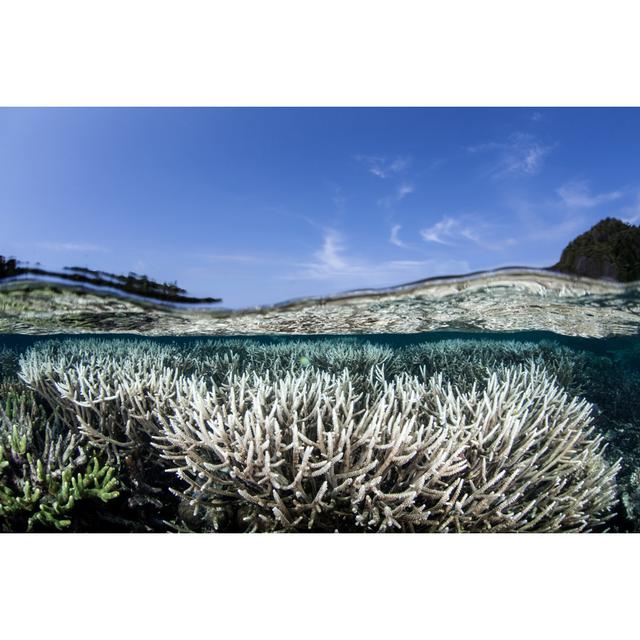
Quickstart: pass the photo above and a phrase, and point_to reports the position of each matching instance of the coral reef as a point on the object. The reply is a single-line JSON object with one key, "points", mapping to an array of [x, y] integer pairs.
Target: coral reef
{"points": [[105, 390], [47, 474], [8, 362], [468, 361], [314, 451], [324, 435], [609, 381], [631, 499], [215, 358], [100, 387]]}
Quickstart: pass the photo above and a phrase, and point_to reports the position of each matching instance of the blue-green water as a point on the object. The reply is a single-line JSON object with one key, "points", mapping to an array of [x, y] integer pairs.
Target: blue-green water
{"points": [[619, 344], [73, 381]]}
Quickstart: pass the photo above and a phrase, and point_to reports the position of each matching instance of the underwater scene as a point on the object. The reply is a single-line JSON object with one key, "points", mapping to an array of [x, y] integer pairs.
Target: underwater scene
{"points": [[439, 431]]}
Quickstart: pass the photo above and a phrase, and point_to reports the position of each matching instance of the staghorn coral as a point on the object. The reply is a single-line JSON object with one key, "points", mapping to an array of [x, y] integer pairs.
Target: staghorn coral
{"points": [[215, 358], [631, 499], [105, 392], [46, 473], [464, 360], [467, 361], [205, 403], [312, 451], [332, 357], [108, 389], [76, 350]]}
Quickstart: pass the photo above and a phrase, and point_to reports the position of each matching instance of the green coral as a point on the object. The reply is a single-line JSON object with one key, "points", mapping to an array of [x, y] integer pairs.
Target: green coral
{"points": [[45, 471]]}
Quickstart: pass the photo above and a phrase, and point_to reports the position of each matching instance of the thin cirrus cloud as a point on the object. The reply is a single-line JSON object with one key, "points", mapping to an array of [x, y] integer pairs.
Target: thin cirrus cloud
{"points": [[522, 154], [72, 246], [402, 191], [632, 213], [446, 231], [384, 167], [394, 237], [458, 231], [577, 195], [332, 262], [634, 219]]}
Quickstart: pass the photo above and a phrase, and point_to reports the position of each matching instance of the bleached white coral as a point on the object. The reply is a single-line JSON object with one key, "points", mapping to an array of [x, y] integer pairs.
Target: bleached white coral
{"points": [[311, 451], [212, 357], [468, 361], [106, 390], [338, 441]]}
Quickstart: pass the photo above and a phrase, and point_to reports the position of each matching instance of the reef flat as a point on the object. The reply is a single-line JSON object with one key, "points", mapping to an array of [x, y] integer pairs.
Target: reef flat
{"points": [[339, 434], [515, 299]]}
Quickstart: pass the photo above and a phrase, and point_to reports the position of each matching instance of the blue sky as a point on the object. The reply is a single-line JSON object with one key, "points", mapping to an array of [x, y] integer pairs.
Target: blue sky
{"points": [[262, 205]]}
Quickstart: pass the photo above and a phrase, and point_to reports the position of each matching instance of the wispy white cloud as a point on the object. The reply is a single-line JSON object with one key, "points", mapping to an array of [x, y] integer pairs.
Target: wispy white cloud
{"points": [[458, 231], [562, 228], [330, 256], [394, 238], [546, 222], [578, 195], [72, 246], [384, 167], [402, 191], [520, 154], [443, 232], [632, 213], [332, 262]]}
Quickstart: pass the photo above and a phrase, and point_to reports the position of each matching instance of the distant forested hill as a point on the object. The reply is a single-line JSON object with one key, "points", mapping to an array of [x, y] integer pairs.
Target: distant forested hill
{"points": [[610, 249], [133, 283]]}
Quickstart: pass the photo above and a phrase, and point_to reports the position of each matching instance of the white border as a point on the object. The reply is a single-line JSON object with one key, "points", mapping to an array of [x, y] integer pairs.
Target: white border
{"points": [[319, 586], [333, 52]]}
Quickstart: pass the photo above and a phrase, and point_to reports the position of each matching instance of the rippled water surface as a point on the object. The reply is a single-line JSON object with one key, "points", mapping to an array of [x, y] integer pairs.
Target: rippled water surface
{"points": [[504, 300]]}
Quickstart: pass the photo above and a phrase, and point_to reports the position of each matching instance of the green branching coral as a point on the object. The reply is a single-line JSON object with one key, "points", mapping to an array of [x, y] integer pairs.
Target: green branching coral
{"points": [[105, 392], [45, 471]]}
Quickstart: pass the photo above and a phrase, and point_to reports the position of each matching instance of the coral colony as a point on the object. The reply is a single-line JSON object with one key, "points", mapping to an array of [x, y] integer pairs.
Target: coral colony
{"points": [[295, 435]]}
